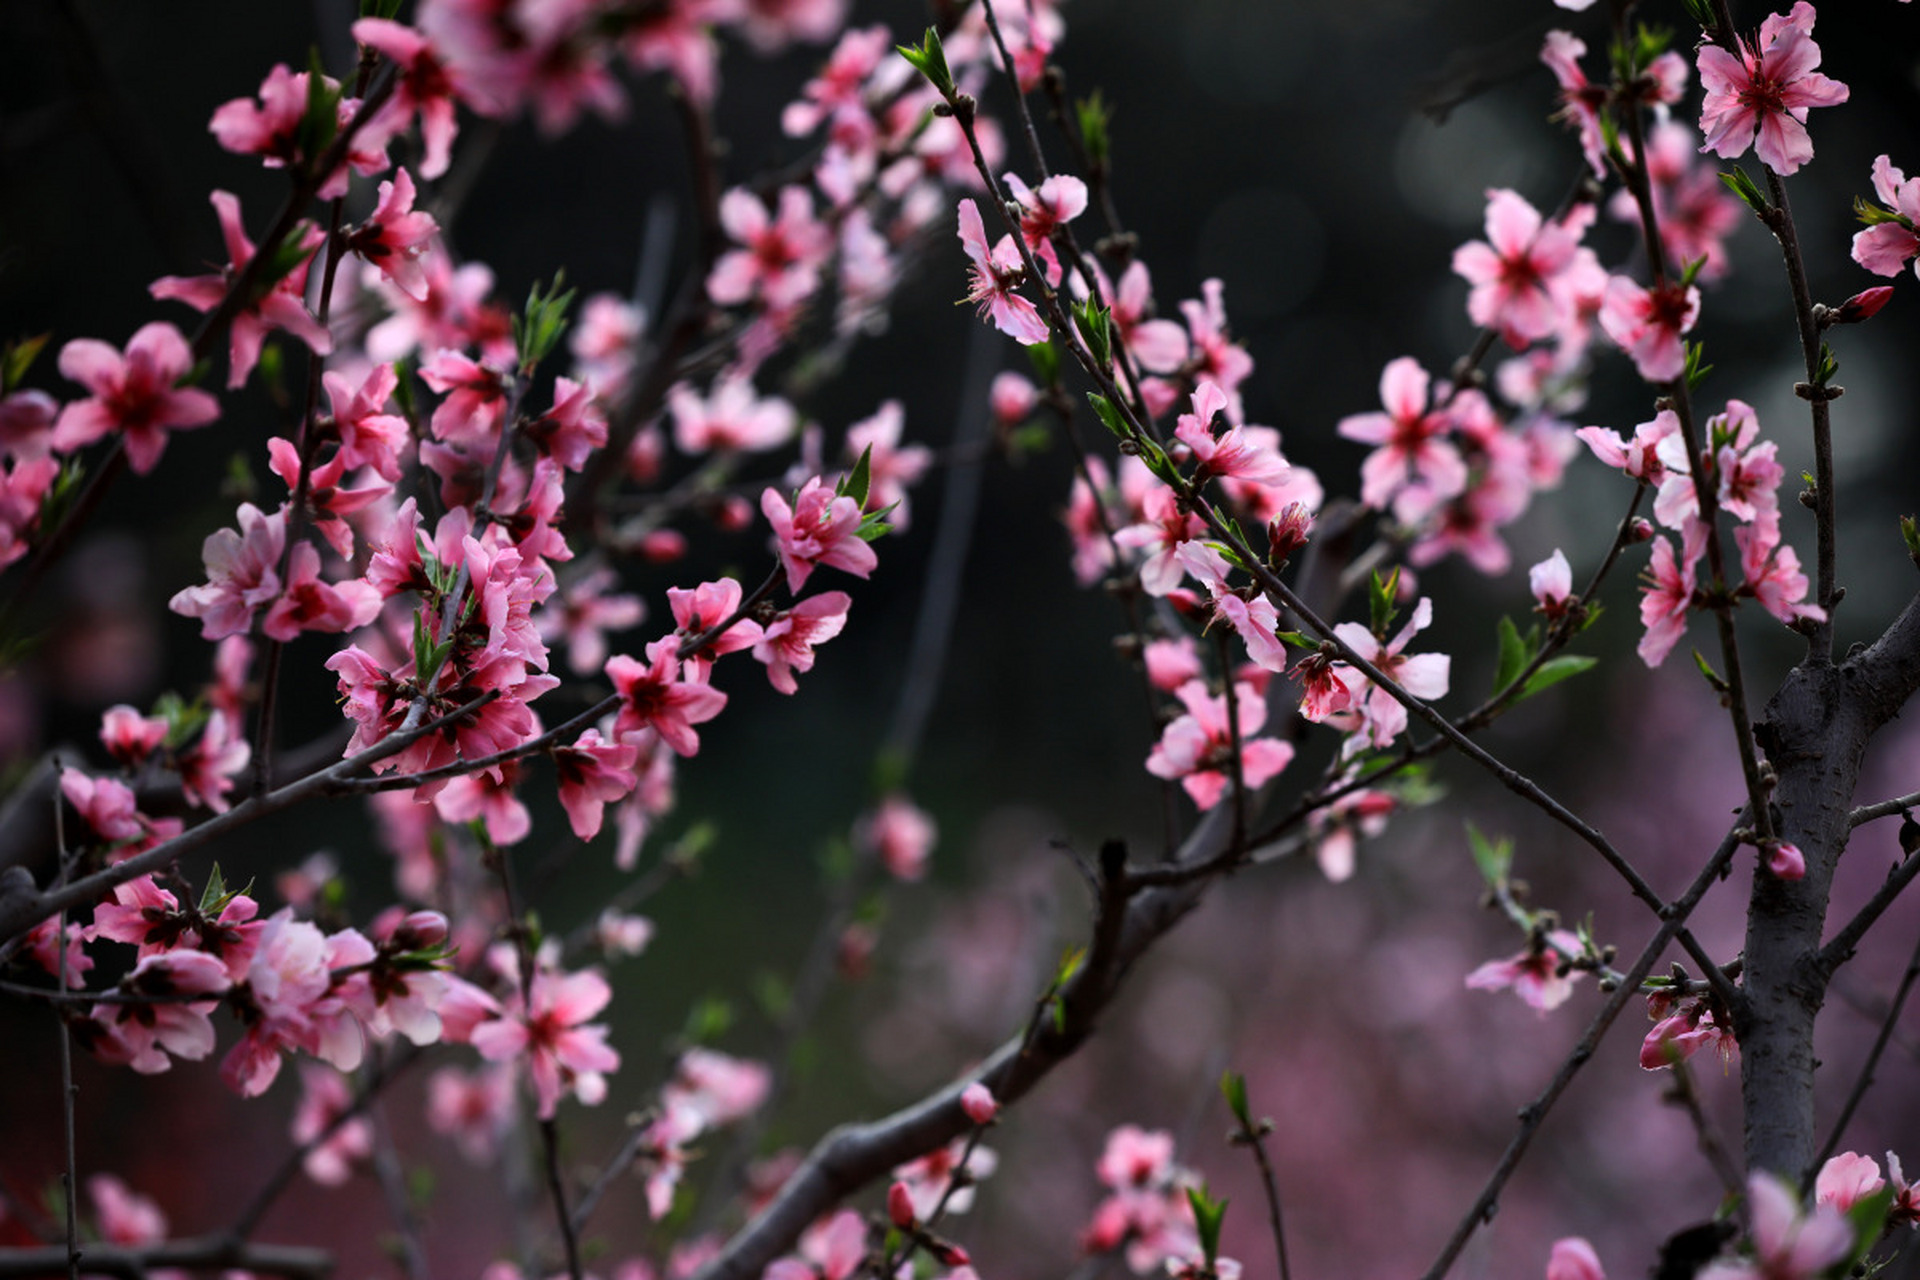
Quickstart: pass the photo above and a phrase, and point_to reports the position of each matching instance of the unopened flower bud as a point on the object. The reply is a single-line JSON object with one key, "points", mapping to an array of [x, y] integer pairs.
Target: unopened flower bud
{"points": [[855, 953], [735, 514], [979, 1103], [900, 1206], [420, 931], [1640, 530], [663, 546], [1861, 306], [950, 1254], [1288, 532]]}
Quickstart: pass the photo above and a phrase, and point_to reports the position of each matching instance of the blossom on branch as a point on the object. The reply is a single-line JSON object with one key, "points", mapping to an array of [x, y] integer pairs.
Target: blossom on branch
{"points": [[136, 393], [1761, 96]]}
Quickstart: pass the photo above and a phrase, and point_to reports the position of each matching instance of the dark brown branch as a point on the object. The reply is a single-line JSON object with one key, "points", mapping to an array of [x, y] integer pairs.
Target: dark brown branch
{"points": [[199, 1253]]}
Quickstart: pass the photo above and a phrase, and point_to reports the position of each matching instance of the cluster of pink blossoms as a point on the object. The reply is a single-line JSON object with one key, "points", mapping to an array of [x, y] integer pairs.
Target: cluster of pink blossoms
{"points": [[290, 985], [1146, 1213], [1744, 475]]}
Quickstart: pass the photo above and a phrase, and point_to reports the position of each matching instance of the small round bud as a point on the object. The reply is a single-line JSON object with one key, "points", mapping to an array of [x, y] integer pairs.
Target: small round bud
{"points": [[1640, 530], [978, 1102], [900, 1206]]}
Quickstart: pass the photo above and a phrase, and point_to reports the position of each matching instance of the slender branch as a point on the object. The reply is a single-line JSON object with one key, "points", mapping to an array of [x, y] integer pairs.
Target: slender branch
{"points": [[1684, 1094], [393, 1185], [383, 1074], [1535, 1112], [1884, 809], [1507, 776], [198, 1253], [1841, 947], [1254, 1137], [1865, 1079], [22, 907]]}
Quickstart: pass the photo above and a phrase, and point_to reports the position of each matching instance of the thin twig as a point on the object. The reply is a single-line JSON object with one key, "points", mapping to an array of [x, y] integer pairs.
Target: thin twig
{"points": [[1535, 1112], [1865, 1079]]}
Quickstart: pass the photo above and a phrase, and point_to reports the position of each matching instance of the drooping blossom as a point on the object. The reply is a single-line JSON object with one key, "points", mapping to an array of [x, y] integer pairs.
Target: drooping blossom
{"points": [[1043, 211], [551, 1033], [819, 528], [780, 255], [657, 698], [134, 393], [142, 1032], [996, 273], [786, 645], [730, 419], [1681, 1028], [1423, 675], [395, 237], [593, 773], [1788, 1243], [1515, 272], [1884, 247], [1846, 1178], [1235, 452], [1197, 748], [126, 1218], [1761, 96], [1650, 323], [900, 834], [1536, 974], [281, 306], [1410, 440], [934, 1176], [1666, 600]]}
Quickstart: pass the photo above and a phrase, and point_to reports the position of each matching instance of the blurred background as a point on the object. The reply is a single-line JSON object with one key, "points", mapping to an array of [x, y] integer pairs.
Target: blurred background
{"points": [[1324, 162]]}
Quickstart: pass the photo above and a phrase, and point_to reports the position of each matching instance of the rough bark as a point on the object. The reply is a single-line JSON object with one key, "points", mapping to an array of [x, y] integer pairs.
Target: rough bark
{"points": [[1815, 733]]}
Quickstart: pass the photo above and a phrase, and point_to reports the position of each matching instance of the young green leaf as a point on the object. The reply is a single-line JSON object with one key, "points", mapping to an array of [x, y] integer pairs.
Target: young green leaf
{"points": [[930, 60], [1554, 670], [1513, 657], [1380, 605], [856, 482], [1233, 1087], [1493, 857], [1104, 410]]}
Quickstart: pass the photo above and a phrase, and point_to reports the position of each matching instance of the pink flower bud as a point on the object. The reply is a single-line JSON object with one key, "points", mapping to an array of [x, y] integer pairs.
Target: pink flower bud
{"points": [[1862, 305], [979, 1103], [1786, 861], [1640, 530], [1573, 1259], [855, 954], [663, 546], [421, 930], [1289, 532], [900, 1206], [735, 514], [951, 1254]]}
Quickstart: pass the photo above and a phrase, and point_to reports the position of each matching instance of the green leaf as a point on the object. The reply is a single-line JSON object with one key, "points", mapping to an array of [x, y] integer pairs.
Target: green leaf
{"points": [[708, 1020], [1741, 185], [1706, 669], [1380, 605], [1207, 1216], [1554, 670], [856, 483], [874, 524], [1103, 408], [930, 60], [1701, 12], [17, 357], [773, 994], [1162, 466], [537, 329], [1697, 370], [1493, 857], [321, 120], [1295, 639], [1233, 1087], [1868, 1218], [1828, 366], [1873, 214], [1095, 323], [1046, 363], [1690, 272], [1910, 534], [1514, 655], [212, 897], [1095, 116], [1069, 965]]}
